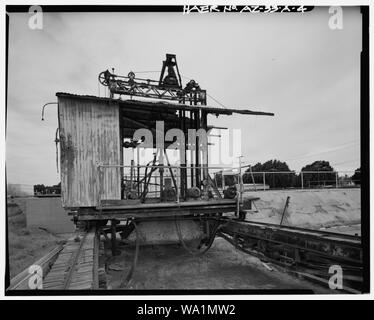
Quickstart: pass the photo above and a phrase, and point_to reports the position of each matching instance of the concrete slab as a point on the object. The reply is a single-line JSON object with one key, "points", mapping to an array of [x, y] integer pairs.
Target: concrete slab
{"points": [[308, 208], [49, 214]]}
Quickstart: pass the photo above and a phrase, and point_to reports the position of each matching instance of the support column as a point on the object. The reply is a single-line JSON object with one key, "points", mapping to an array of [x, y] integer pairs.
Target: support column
{"points": [[197, 151], [113, 237], [191, 126], [182, 155], [204, 149], [161, 170], [138, 170]]}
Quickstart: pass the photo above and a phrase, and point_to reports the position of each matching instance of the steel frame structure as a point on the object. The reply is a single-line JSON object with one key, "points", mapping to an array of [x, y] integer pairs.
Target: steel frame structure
{"points": [[164, 88]]}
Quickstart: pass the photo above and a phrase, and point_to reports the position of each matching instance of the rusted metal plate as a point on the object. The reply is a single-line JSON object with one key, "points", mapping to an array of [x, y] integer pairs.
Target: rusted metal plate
{"points": [[341, 247], [306, 252], [89, 135]]}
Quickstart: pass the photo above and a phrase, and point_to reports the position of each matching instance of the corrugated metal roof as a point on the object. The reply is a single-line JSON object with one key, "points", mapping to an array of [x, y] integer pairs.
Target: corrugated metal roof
{"points": [[167, 105]]}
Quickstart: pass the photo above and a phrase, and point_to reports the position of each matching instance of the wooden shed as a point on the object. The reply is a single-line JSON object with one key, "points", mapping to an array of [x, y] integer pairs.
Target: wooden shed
{"points": [[93, 131], [89, 135]]}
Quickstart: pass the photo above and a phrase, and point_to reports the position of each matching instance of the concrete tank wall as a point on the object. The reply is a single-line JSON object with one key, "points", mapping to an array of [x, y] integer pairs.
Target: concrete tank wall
{"points": [[49, 214], [308, 208]]}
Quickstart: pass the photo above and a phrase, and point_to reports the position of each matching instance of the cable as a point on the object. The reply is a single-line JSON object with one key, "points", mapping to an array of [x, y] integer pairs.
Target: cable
{"points": [[196, 252], [73, 262], [221, 104], [57, 140], [343, 146], [125, 282], [344, 162]]}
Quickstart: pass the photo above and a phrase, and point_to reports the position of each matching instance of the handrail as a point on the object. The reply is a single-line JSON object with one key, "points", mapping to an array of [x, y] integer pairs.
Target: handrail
{"points": [[214, 167], [160, 165], [48, 103]]}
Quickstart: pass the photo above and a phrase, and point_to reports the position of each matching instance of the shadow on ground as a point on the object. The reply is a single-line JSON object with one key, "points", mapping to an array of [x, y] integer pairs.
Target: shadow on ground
{"points": [[170, 267]]}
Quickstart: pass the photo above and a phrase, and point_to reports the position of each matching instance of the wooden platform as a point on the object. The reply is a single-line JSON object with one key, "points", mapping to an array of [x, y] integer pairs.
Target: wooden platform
{"points": [[81, 272], [124, 209], [136, 204]]}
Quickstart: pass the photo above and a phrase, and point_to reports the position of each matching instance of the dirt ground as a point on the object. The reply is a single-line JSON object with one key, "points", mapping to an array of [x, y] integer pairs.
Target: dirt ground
{"points": [[26, 245], [222, 267], [161, 267]]}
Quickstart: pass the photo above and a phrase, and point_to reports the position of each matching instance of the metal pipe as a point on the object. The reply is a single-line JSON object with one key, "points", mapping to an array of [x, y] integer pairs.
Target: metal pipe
{"points": [[285, 208], [237, 203], [241, 181], [48, 103], [57, 140], [131, 174]]}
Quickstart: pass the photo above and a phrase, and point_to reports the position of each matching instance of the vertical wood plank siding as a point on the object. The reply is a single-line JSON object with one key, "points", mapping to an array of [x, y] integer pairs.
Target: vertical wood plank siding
{"points": [[89, 134]]}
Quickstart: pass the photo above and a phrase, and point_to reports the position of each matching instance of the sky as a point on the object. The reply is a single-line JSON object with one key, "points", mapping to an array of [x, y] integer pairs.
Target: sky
{"points": [[293, 65]]}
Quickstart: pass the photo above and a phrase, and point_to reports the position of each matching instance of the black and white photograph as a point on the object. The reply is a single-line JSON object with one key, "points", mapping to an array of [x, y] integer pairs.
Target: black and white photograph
{"points": [[186, 150]]}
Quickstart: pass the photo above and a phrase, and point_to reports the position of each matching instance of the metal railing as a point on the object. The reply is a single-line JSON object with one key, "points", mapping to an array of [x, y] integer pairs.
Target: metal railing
{"points": [[133, 181], [266, 180], [137, 174]]}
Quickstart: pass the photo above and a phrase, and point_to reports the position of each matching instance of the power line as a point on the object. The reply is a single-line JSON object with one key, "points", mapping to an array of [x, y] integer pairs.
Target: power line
{"points": [[214, 99], [345, 162], [340, 147], [222, 105]]}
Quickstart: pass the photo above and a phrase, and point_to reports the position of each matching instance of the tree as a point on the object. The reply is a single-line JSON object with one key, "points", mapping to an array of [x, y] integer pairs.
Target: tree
{"points": [[273, 179], [39, 188], [356, 178], [42, 189], [318, 176]]}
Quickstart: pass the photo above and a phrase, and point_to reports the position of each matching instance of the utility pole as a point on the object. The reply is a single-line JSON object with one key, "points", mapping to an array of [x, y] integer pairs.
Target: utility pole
{"points": [[263, 179], [302, 179]]}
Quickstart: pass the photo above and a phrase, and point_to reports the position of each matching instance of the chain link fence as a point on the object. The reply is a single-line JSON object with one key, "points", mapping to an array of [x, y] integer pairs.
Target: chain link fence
{"points": [[290, 179]]}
